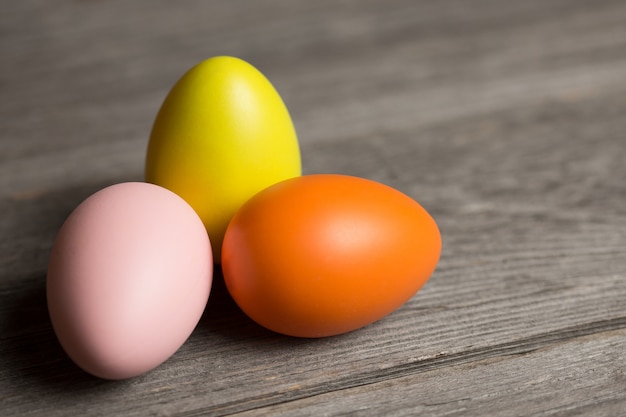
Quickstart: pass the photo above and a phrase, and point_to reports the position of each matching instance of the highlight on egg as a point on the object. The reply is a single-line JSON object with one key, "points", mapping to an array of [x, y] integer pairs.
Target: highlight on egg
{"points": [[222, 134], [320, 255], [128, 279]]}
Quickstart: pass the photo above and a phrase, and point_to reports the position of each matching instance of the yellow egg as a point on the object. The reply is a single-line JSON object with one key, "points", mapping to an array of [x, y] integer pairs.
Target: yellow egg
{"points": [[222, 134]]}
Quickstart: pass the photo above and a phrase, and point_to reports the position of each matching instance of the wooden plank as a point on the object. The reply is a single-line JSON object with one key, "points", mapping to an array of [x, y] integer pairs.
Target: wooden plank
{"points": [[496, 287], [589, 373], [503, 120], [448, 65]]}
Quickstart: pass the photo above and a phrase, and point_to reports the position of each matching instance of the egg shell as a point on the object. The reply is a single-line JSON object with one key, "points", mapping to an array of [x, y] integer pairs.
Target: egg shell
{"points": [[325, 254], [222, 134], [128, 279]]}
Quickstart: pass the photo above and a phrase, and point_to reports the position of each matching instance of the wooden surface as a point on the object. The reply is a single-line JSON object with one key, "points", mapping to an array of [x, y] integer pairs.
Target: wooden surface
{"points": [[505, 119]]}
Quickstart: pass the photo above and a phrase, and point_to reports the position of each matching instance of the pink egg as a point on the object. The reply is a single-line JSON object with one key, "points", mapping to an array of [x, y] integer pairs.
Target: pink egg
{"points": [[129, 277]]}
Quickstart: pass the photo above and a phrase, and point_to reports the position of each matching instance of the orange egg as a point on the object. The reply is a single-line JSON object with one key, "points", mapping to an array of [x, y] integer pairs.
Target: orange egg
{"points": [[325, 254]]}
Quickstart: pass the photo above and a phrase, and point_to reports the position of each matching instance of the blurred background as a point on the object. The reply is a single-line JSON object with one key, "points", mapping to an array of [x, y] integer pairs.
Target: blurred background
{"points": [[86, 78]]}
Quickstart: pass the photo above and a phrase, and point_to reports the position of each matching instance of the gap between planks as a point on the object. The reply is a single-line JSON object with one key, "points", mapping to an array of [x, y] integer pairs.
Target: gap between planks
{"points": [[443, 360]]}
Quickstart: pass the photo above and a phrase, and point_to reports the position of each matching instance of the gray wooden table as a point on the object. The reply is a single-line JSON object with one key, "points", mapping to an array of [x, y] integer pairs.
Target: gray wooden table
{"points": [[505, 119]]}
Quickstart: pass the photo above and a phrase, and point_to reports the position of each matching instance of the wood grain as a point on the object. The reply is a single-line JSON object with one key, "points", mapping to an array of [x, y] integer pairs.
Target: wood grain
{"points": [[520, 383], [504, 119]]}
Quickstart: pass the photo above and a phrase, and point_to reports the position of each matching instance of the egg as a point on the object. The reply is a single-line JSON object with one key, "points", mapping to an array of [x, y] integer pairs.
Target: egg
{"points": [[128, 279], [222, 134], [320, 255]]}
